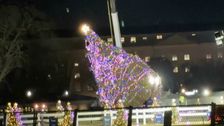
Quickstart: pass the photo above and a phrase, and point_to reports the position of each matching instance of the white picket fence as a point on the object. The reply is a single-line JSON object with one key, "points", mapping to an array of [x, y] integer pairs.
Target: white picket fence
{"points": [[42, 118], [145, 114], [140, 115]]}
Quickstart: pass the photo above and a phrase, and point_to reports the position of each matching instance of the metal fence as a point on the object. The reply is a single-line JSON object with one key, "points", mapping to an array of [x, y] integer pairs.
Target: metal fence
{"points": [[199, 115]]}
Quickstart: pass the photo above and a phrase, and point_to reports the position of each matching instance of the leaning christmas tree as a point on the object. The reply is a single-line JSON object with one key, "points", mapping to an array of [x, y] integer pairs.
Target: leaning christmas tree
{"points": [[121, 77]]}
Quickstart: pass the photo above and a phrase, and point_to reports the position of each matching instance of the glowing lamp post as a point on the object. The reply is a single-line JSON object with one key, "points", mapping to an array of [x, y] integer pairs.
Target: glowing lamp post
{"points": [[66, 93], [85, 29], [29, 94], [206, 92], [183, 91]]}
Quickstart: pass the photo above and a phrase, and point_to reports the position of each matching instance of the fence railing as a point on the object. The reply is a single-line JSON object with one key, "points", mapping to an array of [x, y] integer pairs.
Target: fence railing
{"points": [[180, 115]]}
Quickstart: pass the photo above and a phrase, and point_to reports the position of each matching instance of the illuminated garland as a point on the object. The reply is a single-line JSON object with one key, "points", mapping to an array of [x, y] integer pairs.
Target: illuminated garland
{"points": [[119, 75]]}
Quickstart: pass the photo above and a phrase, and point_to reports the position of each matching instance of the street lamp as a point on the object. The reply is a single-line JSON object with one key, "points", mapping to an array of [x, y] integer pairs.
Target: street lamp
{"points": [[85, 29], [183, 90], [66, 93], [206, 92], [28, 93]]}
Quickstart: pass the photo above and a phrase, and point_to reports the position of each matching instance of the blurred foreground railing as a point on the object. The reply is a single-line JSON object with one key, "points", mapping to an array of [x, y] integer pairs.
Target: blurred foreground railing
{"points": [[203, 115]]}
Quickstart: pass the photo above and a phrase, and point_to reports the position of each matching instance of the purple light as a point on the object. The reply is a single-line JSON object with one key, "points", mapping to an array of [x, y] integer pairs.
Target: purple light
{"points": [[116, 72]]}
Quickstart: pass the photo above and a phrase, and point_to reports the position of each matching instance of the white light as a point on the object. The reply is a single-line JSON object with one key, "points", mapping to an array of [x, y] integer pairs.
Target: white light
{"points": [[196, 91], [193, 34], [219, 42], [36, 106], [221, 97], [194, 108], [151, 80], [152, 110], [66, 93], [206, 92], [194, 114], [173, 100], [157, 80], [43, 106], [190, 93], [154, 80], [183, 90], [85, 29], [28, 93]]}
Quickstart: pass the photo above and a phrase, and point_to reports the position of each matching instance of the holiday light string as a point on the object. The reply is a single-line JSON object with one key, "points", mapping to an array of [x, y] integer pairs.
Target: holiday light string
{"points": [[117, 73]]}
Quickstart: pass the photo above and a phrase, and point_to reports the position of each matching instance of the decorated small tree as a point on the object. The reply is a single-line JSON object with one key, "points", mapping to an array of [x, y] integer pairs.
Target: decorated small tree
{"points": [[67, 120], [13, 115]]}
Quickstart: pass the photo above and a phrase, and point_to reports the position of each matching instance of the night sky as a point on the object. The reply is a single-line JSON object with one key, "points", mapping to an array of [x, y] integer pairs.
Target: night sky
{"points": [[139, 16]]}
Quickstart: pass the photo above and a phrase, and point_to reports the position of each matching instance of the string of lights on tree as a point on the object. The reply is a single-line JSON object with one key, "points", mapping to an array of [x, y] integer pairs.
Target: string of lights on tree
{"points": [[68, 117], [120, 76], [13, 115]]}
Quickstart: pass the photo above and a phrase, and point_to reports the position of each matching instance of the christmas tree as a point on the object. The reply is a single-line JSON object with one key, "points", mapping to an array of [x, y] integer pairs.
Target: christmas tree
{"points": [[13, 115], [120, 76], [67, 119]]}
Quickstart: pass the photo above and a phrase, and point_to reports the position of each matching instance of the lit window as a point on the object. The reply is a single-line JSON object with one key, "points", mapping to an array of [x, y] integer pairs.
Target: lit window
{"points": [[193, 34], [187, 57], [133, 40], [174, 58], [187, 69], [220, 55], [122, 39], [109, 40], [67, 10], [219, 38], [147, 58], [144, 38], [49, 76], [159, 37], [77, 75], [76, 64], [175, 70], [219, 42], [208, 56], [122, 24]]}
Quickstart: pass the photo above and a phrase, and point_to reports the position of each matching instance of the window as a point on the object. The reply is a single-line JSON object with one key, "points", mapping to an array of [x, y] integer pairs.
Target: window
{"points": [[193, 34], [76, 64], [220, 55], [133, 40], [175, 70], [187, 57], [219, 38], [144, 38], [147, 58], [187, 69], [122, 39], [49, 76], [109, 40], [122, 24], [77, 75], [208, 56], [174, 58], [67, 10], [159, 37]]}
